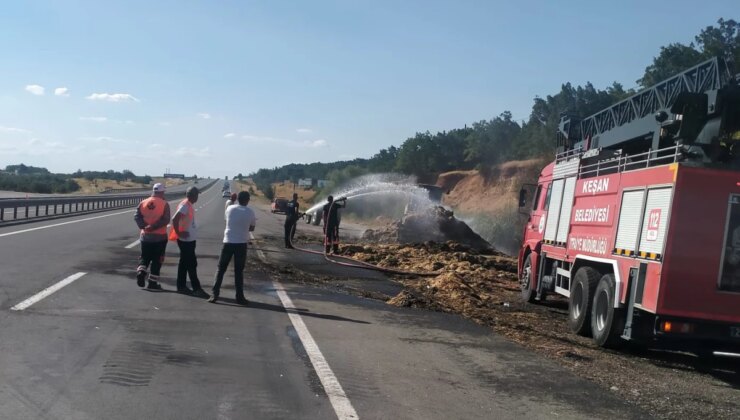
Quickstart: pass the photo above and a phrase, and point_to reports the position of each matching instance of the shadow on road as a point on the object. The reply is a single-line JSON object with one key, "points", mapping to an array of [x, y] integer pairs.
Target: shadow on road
{"points": [[279, 308]]}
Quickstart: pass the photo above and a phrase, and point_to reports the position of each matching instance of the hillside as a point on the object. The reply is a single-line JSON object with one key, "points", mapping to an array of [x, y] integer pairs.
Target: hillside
{"points": [[475, 192], [488, 202]]}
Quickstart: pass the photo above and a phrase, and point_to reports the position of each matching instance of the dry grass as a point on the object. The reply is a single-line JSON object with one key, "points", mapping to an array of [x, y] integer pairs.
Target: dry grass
{"points": [[99, 185]]}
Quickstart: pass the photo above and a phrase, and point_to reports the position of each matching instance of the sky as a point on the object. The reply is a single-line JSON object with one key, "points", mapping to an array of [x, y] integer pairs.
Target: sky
{"points": [[217, 88]]}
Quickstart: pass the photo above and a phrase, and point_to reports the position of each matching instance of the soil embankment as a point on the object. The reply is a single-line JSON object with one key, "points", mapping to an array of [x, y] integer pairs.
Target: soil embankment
{"points": [[488, 200], [490, 192]]}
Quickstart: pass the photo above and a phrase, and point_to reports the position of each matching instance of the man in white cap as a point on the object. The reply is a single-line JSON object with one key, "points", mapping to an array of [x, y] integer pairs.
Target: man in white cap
{"points": [[152, 217]]}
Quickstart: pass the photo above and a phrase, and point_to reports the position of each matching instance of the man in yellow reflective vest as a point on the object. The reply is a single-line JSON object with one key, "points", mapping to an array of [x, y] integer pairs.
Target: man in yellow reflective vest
{"points": [[184, 231], [152, 217]]}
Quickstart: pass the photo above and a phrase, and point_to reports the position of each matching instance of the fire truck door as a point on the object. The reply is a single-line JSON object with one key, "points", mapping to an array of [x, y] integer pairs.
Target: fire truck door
{"points": [[536, 224]]}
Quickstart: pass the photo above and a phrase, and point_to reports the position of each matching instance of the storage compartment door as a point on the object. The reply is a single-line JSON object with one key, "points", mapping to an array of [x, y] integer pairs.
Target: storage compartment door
{"points": [[655, 222], [568, 192], [630, 219], [553, 213]]}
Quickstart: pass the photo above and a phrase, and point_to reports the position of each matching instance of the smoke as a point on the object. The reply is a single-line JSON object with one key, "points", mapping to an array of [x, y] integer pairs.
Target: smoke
{"points": [[503, 231]]}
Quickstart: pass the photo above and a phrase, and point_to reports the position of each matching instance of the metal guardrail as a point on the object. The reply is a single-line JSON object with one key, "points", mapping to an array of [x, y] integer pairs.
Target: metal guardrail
{"points": [[621, 163], [21, 209]]}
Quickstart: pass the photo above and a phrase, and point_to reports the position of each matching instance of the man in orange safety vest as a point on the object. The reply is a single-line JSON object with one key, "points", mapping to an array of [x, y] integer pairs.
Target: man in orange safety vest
{"points": [[152, 217], [184, 231]]}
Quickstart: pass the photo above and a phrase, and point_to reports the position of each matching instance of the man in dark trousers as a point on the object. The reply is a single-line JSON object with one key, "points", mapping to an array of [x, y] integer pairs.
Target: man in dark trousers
{"points": [[184, 231], [240, 220], [331, 223], [291, 218], [152, 217]]}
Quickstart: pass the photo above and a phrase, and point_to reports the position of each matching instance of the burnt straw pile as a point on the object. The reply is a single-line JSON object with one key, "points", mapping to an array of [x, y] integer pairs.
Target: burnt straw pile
{"points": [[434, 224]]}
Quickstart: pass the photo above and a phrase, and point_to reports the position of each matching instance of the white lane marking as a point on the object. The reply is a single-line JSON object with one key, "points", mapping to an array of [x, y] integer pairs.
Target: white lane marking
{"points": [[203, 205], [260, 254], [133, 244], [63, 223], [342, 406], [46, 292]]}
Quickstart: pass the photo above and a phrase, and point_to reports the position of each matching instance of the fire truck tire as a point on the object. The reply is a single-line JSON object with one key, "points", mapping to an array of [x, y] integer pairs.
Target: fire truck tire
{"points": [[607, 322], [526, 283], [581, 299]]}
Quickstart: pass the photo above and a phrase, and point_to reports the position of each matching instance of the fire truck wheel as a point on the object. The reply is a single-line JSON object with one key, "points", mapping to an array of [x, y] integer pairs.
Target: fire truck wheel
{"points": [[526, 281], [581, 298], [607, 322]]}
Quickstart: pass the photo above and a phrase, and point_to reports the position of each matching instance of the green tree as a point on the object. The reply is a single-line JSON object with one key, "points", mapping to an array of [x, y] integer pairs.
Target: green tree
{"points": [[672, 59], [418, 155], [490, 141], [722, 40]]}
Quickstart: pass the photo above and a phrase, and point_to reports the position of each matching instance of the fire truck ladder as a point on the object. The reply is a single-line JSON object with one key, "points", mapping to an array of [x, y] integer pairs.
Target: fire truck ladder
{"points": [[635, 117]]}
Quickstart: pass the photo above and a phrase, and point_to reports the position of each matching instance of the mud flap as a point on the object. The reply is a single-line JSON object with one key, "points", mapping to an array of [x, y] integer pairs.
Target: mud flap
{"points": [[636, 287]]}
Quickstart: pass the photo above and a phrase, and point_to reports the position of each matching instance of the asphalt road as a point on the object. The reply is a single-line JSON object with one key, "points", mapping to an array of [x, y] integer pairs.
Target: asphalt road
{"points": [[100, 347]]}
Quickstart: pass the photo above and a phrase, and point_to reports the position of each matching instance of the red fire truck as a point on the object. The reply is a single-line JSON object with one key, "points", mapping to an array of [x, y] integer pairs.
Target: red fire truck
{"points": [[637, 221]]}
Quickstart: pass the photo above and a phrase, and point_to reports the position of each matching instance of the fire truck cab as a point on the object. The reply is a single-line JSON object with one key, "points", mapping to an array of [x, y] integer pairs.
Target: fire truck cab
{"points": [[637, 221]]}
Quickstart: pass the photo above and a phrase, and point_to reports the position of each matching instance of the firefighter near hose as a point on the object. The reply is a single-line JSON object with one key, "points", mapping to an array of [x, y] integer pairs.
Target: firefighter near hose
{"points": [[292, 214], [331, 223]]}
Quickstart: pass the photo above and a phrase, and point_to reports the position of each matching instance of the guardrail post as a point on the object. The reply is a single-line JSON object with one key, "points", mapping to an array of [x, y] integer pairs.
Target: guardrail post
{"points": [[27, 216], [2, 213], [15, 212]]}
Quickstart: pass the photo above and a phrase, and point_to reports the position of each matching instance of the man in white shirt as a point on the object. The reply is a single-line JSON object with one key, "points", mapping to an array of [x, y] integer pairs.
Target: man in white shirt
{"points": [[240, 220], [185, 230]]}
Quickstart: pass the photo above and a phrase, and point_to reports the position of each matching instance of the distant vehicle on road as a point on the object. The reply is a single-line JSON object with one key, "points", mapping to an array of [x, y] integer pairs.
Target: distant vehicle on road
{"points": [[226, 194], [279, 205]]}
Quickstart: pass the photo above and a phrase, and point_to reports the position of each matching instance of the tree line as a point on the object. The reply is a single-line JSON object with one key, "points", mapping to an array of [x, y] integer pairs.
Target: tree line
{"points": [[23, 178], [124, 175]]}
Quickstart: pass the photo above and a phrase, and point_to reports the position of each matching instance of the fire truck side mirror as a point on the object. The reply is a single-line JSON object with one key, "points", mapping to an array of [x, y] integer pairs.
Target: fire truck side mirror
{"points": [[522, 198]]}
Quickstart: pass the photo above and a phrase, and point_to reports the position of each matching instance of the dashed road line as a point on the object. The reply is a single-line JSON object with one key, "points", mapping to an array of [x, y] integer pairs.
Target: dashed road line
{"points": [[46, 292], [133, 244], [337, 397]]}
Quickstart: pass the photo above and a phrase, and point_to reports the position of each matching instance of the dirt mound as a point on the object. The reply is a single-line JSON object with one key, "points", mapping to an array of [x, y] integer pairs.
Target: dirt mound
{"points": [[490, 191], [448, 180], [436, 224]]}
